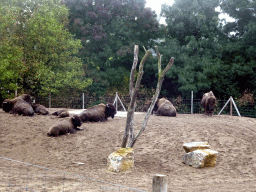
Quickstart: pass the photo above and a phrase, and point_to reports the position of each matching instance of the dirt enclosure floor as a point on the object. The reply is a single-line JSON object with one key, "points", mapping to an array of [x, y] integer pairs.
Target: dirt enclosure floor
{"points": [[158, 151]]}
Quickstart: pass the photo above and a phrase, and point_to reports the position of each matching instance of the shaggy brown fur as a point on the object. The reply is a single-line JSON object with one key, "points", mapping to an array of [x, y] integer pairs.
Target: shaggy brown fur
{"points": [[98, 112], [25, 97], [40, 109], [61, 113], [164, 107], [19, 105], [208, 102], [69, 125]]}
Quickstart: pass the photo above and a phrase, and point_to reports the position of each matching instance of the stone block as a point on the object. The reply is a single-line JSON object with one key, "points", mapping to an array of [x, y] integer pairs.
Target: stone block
{"points": [[201, 158], [120, 160], [189, 147]]}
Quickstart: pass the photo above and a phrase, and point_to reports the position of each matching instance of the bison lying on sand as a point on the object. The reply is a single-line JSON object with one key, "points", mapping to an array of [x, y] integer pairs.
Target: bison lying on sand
{"points": [[61, 113], [208, 102], [164, 107], [98, 112], [40, 109], [19, 105], [69, 125]]}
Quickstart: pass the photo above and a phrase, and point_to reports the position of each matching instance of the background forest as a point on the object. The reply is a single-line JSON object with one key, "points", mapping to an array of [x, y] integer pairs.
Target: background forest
{"points": [[70, 47]]}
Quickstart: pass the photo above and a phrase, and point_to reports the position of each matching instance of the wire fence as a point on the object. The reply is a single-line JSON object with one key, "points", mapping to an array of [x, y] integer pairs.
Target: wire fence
{"points": [[183, 106], [18, 176]]}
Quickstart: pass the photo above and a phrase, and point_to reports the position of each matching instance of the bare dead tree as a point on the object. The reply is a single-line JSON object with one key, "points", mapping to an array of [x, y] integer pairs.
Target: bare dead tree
{"points": [[129, 130]]}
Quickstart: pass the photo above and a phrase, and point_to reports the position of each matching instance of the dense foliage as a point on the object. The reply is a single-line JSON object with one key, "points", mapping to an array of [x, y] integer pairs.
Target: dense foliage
{"points": [[37, 51], [108, 31], [74, 46]]}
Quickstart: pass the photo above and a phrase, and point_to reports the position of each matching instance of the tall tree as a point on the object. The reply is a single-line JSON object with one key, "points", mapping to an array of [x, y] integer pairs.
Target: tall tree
{"points": [[109, 29], [240, 51], [191, 35], [48, 61], [10, 53]]}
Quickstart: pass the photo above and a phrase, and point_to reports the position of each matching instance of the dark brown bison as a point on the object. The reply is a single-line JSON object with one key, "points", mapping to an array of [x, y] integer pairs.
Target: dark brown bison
{"points": [[69, 125], [98, 112], [164, 107], [19, 105], [208, 102], [61, 113], [40, 109]]}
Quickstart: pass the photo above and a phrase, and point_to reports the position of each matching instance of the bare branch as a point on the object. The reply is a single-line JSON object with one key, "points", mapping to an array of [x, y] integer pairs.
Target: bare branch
{"points": [[134, 66], [144, 49], [168, 66], [159, 60], [157, 51]]}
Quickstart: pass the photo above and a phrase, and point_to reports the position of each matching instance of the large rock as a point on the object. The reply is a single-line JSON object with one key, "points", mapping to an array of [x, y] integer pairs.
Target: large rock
{"points": [[120, 160], [189, 147], [201, 158]]}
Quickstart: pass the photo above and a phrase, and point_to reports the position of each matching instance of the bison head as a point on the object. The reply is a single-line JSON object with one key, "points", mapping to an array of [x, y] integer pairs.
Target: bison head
{"points": [[110, 110], [211, 102], [77, 122], [7, 105]]}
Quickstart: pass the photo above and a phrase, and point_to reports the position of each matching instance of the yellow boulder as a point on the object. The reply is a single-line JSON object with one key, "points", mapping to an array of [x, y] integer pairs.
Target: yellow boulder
{"points": [[201, 158], [120, 160], [192, 146]]}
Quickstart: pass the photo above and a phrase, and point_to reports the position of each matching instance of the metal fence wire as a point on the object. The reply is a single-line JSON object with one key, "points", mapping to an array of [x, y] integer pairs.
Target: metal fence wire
{"points": [[183, 106], [17, 176]]}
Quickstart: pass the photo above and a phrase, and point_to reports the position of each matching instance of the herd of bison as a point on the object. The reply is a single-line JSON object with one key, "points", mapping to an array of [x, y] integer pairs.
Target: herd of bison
{"points": [[22, 105]]}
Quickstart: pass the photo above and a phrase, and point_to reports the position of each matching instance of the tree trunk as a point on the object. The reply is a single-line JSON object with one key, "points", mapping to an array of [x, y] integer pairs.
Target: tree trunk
{"points": [[128, 134]]}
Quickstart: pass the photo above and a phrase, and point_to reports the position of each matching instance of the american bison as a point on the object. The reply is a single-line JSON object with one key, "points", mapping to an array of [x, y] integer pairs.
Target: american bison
{"points": [[40, 109], [69, 125], [98, 112], [208, 102], [164, 107], [19, 105], [61, 113]]}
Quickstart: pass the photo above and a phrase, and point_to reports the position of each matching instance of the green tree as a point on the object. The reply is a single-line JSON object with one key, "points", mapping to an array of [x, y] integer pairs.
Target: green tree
{"points": [[192, 37], [10, 53], [48, 53], [239, 53], [108, 31]]}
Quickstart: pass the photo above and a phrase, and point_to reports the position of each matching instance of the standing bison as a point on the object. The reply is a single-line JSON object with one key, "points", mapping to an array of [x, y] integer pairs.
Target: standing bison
{"points": [[208, 102], [63, 127], [19, 105], [164, 107], [98, 112]]}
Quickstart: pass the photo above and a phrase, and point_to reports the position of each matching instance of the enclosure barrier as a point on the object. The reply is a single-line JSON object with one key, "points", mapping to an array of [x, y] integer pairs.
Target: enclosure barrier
{"points": [[21, 176], [183, 106]]}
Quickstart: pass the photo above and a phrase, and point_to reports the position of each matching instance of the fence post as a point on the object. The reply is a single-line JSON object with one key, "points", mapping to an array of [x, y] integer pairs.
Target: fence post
{"points": [[191, 102], [159, 183], [50, 100], [231, 109], [116, 100], [83, 99], [16, 90]]}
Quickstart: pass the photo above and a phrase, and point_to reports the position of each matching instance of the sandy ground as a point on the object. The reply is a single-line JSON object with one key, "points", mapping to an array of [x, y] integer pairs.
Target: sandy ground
{"points": [[157, 151]]}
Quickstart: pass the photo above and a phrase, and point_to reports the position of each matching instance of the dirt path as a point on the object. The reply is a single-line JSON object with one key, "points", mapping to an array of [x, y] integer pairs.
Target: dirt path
{"points": [[158, 151]]}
